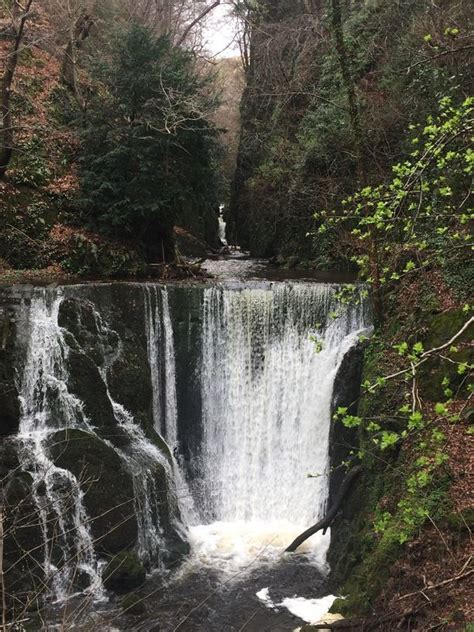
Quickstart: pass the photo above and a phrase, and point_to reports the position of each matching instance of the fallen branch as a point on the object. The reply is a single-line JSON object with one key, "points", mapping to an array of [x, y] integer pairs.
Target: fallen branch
{"points": [[443, 583], [326, 522]]}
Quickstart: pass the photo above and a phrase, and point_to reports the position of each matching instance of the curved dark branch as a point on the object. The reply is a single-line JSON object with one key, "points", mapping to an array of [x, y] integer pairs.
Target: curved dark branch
{"points": [[326, 522], [200, 17]]}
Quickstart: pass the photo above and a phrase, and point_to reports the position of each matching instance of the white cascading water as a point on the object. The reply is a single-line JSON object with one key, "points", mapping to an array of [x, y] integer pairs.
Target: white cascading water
{"points": [[161, 358], [162, 362], [140, 456], [267, 394], [266, 399], [222, 226], [46, 407]]}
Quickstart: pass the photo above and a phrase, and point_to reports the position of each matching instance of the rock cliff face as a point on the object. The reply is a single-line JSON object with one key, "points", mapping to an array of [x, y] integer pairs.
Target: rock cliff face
{"points": [[265, 217], [9, 405], [92, 423]]}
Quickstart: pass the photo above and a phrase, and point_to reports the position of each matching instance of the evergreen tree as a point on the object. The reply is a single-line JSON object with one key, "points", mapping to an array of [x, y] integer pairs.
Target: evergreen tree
{"points": [[149, 151]]}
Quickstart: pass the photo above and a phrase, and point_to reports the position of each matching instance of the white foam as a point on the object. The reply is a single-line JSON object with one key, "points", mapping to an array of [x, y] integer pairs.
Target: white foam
{"points": [[310, 610], [264, 596], [234, 546]]}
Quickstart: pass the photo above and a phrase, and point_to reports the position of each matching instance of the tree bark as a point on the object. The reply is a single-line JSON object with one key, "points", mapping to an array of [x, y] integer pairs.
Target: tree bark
{"points": [[6, 130], [326, 522], [79, 33]]}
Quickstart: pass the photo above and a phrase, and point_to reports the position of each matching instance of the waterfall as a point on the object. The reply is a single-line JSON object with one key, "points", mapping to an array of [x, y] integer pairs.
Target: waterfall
{"points": [[162, 362], [222, 227], [269, 361], [46, 407], [262, 359], [140, 456], [161, 357]]}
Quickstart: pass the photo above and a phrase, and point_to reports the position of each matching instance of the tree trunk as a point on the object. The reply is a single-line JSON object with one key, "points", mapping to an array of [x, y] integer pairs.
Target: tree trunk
{"points": [[326, 522], [200, 17], [6, 129], [79, 33]]}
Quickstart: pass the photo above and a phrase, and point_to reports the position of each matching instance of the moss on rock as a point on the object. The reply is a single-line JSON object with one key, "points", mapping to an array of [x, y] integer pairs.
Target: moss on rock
{"points": [[124, 572], [441, 328], [133, 604]]}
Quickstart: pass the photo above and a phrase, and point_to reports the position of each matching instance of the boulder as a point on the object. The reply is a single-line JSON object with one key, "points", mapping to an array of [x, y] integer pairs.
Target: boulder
{"points": [[124, 572], [133, 604], [109, 493], [23, 542]]}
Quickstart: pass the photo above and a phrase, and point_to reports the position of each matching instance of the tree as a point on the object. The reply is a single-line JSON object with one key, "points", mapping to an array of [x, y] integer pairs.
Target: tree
{"points": [[19, 17], [149, 149]]}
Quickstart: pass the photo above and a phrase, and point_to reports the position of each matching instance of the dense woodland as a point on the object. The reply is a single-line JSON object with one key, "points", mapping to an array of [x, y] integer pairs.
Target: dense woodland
{"points": [[355, 153], [108, 134]]}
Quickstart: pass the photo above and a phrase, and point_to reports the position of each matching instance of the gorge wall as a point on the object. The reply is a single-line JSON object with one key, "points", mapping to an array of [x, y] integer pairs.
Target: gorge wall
{"points": [[299, 151]]}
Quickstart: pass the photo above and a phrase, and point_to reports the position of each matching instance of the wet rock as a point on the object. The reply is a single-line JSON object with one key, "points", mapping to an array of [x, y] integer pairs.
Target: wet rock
{"points": [[78, 317], [9, 404], [186, 303], [346, 394], [22, 544], [87, 384], [441, 328], [188, 245], [176, 550], [129, 379], [133, 604], [124, 572], [109, 494]]}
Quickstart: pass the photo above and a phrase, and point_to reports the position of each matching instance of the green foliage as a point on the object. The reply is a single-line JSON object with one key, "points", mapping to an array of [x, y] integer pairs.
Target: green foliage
{"points": [[30, 164], [84, 253], [149, 149], [419, 217], [398, 79]]}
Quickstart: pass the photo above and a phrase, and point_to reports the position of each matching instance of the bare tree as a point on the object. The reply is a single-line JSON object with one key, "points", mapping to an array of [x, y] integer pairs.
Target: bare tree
{"points": [[79, 32], [19, 17]]}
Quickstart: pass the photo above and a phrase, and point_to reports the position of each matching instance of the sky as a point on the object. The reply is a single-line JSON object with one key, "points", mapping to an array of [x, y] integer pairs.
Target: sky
{"points": [[220, 32]]}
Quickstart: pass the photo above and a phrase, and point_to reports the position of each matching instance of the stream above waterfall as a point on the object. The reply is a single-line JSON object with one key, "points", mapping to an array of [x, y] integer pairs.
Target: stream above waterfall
{"points": [[238, 266], [211, 403]]}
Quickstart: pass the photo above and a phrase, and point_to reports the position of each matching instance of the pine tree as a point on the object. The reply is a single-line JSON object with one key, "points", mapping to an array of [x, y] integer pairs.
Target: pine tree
{"points": [[149, 149]]}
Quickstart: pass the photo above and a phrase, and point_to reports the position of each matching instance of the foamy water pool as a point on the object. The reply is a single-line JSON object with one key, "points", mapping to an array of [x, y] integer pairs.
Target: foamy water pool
{"points": [[234, 547]]}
